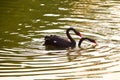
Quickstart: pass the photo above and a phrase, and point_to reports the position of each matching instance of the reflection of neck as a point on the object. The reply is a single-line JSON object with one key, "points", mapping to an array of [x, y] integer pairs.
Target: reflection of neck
{"points": [[69, 36], [82, 39]]}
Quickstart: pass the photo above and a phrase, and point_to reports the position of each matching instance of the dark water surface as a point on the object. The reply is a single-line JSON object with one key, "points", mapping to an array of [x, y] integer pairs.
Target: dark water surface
{"points": [[24, 23]]}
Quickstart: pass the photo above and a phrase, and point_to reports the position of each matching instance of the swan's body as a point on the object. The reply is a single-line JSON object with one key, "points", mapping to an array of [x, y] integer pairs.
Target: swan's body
{"points": [[57, 41], [60, 42]]}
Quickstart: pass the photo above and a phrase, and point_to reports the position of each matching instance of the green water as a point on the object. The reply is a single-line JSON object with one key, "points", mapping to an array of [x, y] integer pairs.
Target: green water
{"points": [[25, 23]]}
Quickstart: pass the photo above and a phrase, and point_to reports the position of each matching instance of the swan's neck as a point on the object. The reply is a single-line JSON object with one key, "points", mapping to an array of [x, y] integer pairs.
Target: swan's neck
{"points": [[69, 36], [82, 39]]}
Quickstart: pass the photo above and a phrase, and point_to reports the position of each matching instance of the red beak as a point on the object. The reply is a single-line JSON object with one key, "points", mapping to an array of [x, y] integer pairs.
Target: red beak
{"points": [[80, 35], [95, 43]]}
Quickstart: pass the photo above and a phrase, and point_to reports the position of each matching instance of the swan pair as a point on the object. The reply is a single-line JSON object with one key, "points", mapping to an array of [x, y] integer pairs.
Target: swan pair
{"points": [[59, 42]]}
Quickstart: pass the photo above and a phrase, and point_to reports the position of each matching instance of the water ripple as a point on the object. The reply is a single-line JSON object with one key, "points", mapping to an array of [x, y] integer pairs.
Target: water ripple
{"points": [[29, 60]]}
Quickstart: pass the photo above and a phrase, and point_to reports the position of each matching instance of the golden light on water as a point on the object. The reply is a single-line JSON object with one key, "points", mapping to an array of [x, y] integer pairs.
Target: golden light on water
{"points": [[24, 24]]}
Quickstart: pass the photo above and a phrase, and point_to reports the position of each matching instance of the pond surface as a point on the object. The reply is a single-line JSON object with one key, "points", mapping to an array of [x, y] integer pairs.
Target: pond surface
{"points": [[25, 23]]}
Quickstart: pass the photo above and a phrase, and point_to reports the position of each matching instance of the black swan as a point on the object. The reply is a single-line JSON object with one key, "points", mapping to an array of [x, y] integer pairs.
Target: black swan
{"points": [[89, 39], [59, 42]]}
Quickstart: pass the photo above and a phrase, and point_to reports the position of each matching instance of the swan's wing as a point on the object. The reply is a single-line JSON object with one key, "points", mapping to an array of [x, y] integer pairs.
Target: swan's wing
{"points": [[56, 41]]}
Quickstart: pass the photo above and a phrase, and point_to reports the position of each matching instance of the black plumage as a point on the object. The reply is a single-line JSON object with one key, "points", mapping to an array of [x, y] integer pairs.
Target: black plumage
{"points": [[60, 42]]}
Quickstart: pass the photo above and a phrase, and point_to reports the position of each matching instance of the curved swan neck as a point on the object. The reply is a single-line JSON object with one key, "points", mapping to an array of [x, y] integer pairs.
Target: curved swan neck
{"points": [[82, 39], [69, 36]]}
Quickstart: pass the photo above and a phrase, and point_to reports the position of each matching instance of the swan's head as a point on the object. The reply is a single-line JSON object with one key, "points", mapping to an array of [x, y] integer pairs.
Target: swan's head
{"points": [[76, 32], [93, 41], [79, 34]]}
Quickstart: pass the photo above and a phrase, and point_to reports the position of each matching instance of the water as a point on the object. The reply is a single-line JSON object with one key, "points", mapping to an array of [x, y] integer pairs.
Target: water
{"points": [[24, 23]]}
